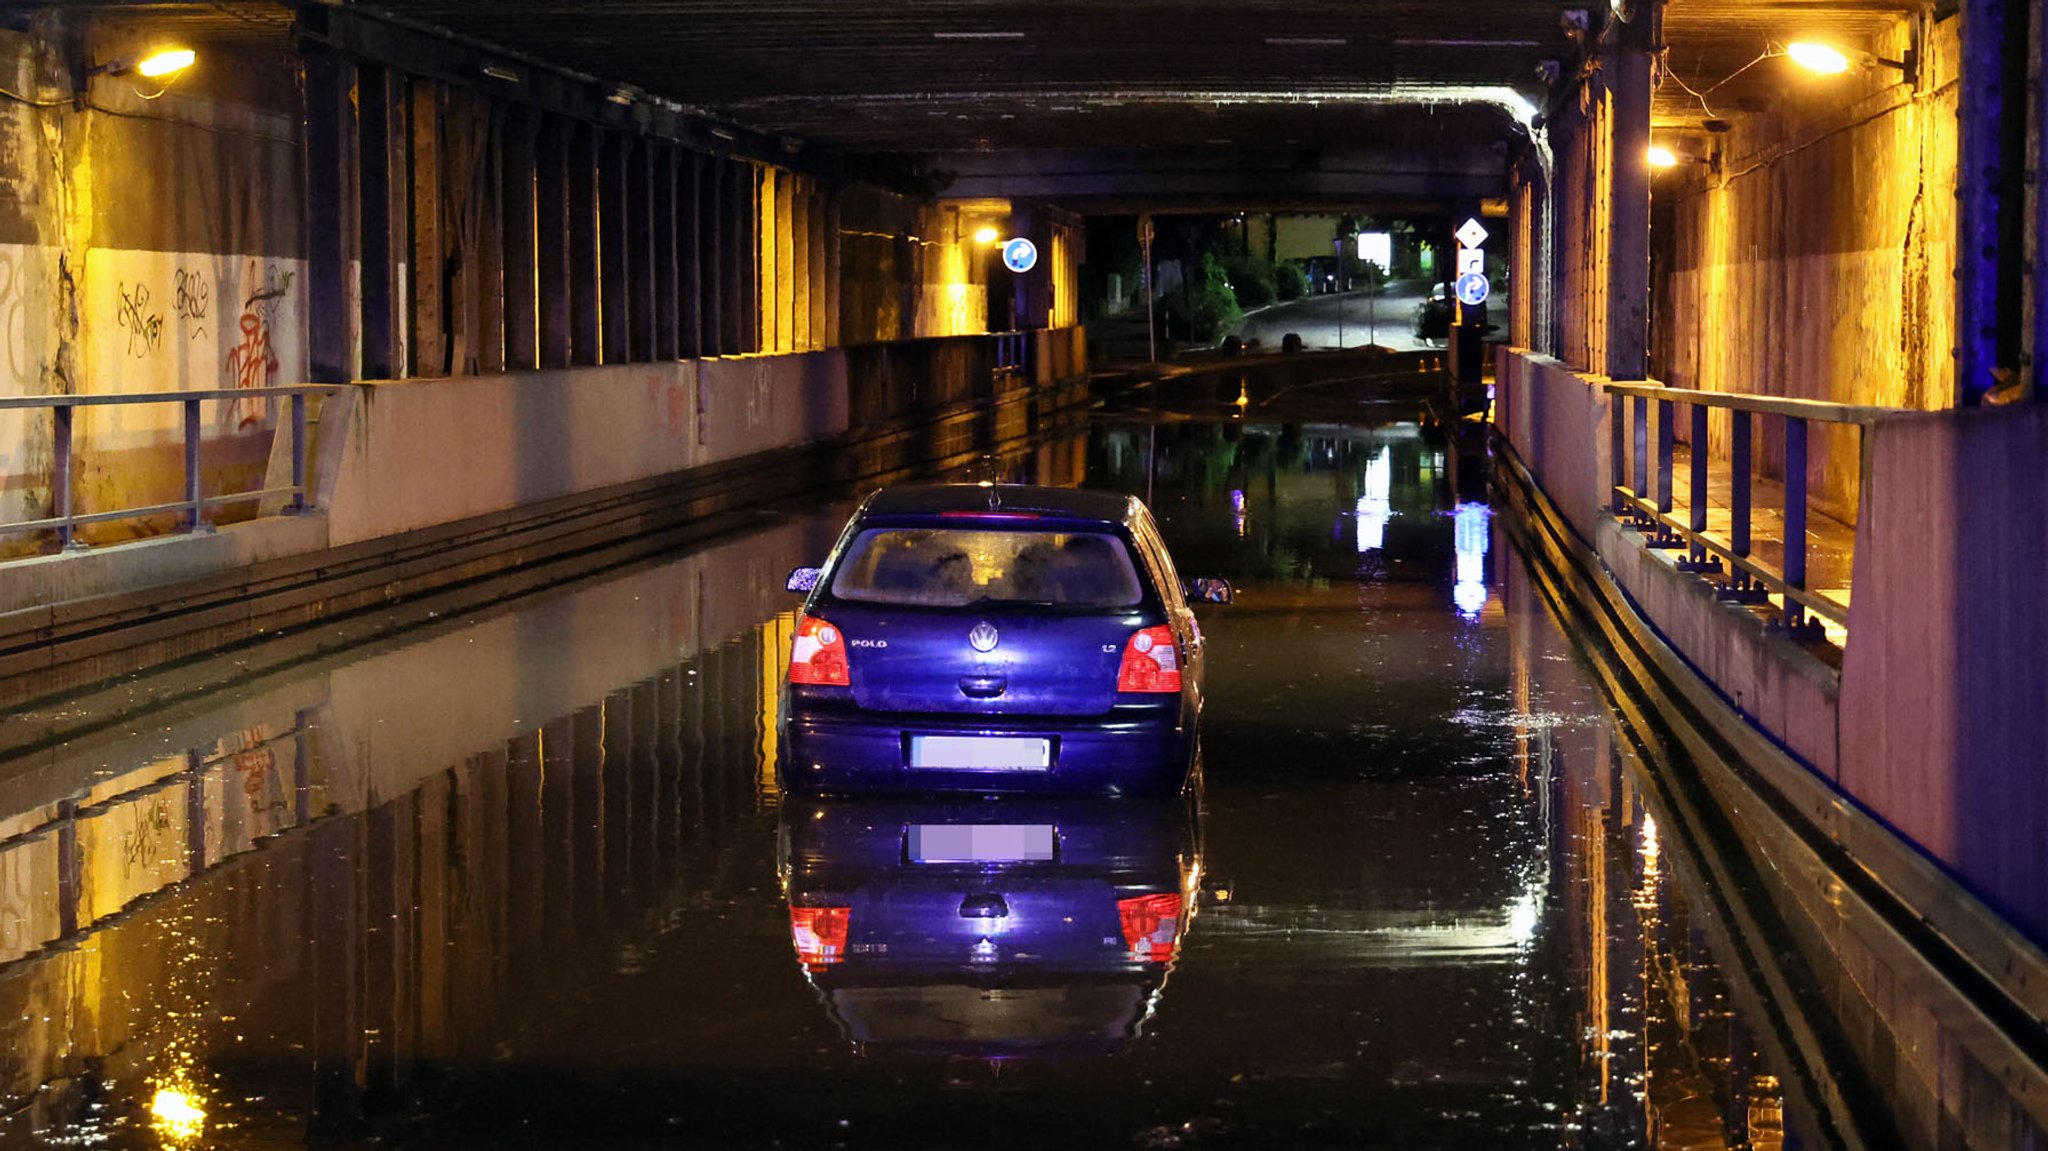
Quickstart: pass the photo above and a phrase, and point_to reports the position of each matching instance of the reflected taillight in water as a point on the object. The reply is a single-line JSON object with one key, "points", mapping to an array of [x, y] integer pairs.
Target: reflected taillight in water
{"points": [[818, 657], [1151, 925], [819, 934], [1151, 662]]}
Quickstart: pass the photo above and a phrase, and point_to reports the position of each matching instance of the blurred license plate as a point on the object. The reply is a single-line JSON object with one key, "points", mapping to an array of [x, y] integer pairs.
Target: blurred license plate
{"points": [[981, 752], [982, 843]]}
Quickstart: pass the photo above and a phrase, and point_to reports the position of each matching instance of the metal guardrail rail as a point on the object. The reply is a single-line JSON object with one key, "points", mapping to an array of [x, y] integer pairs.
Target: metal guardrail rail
{"points": [[193, 506], [1747, 579]]}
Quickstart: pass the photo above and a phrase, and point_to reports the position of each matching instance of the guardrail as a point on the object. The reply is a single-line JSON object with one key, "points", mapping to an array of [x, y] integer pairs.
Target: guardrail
{"points": [[194, 504], [1013, 351], [1747, 579]]}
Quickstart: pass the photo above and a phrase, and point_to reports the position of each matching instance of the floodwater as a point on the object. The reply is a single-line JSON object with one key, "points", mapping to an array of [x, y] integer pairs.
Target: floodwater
{"points": [[520, 876]]}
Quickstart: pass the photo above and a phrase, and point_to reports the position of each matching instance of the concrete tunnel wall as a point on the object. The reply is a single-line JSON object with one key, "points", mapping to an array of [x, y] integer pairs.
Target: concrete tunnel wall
{"points": [[166, 245]]}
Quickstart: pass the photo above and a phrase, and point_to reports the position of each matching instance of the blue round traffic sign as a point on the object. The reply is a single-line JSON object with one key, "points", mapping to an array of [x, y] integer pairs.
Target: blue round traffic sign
{"points": [[1020, 255], [1473, 289]]}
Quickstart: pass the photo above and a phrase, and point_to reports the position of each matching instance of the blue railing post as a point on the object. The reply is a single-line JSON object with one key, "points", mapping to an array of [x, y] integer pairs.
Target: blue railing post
{"points": [[1642, 447], [195, 503], [1667, 414], [1795, 516], [60, 479], [1741, 446], [298, 503], [1697, 558], [1617, 450]]}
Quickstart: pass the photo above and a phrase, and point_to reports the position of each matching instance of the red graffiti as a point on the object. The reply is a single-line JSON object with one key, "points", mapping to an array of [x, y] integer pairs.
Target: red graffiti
{"points": [[251, 364]]}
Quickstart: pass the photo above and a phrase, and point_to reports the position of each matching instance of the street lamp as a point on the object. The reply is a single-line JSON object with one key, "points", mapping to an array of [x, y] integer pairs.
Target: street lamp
{"points": [[1828, 60]]}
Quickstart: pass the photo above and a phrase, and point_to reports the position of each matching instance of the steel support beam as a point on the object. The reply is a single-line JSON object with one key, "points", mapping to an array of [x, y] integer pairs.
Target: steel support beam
{"points": [[1990, 194], [380, 175], [667, 208], [641, 253], [522, 314], [551, 247], [330, 165], [615, 287], [586, 301]]}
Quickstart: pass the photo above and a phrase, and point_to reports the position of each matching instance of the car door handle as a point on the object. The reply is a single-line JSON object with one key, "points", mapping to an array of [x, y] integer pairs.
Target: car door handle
{"points": [[983, 686]]}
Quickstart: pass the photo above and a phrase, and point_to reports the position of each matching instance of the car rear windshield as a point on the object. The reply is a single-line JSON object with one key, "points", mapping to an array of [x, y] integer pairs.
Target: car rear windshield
{"points": [[955, 567]]}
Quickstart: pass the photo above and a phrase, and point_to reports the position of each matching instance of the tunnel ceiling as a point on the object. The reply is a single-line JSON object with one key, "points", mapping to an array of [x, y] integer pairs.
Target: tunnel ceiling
{"points": [[962, 76]]}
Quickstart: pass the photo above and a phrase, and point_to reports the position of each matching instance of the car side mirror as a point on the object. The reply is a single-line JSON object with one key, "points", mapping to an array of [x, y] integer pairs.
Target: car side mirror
{"points": [[1207, 590], [803, 579]]}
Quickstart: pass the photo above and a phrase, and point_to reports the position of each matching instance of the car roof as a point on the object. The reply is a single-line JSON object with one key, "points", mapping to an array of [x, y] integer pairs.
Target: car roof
{"points": [[938, 499]]}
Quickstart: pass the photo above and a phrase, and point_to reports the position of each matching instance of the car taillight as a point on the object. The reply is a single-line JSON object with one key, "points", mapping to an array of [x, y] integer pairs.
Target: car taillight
{"points": [[1151, 662], [1151, 925], [819, 655], [819, 934]]}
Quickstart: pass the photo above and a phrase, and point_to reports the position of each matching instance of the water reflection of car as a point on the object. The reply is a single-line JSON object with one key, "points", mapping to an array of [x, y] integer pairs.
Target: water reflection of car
{"points": [[989, 929], [995, 638]]}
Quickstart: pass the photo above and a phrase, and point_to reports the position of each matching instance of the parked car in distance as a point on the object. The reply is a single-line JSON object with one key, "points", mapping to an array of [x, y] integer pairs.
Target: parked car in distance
{"points": [[996, 639]]}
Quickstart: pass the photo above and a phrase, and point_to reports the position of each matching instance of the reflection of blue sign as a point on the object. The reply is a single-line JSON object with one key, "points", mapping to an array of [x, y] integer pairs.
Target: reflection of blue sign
{"points": [[1020, 255], [1472, 289]]}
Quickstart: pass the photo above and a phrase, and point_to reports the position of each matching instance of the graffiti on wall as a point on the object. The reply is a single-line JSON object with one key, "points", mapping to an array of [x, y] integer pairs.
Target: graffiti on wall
{"points": [[194, 300], [252, 362], [15, 361], [145, 328]]}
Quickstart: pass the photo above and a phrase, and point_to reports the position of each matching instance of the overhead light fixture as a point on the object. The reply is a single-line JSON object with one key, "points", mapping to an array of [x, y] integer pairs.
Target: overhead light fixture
{"points": [[156, 65], [985, 234], [1818, 57], [500, 72], [1829, 60], [722, 134], [622, 95], [1661, 157]]}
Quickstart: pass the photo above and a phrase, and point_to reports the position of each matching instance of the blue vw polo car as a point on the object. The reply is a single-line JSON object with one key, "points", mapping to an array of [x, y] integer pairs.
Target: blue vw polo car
{"points": [[995, 638]]}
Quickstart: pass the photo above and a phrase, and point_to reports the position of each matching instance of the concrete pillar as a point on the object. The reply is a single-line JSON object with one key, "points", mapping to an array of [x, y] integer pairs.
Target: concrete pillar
{"points": [[1628, 241], [381, 180], [522, 315]]}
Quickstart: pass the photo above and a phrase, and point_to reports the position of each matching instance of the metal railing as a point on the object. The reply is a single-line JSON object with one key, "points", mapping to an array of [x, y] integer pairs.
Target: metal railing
{"points": [[1013, 351], [192, 508], [1745, 579]]}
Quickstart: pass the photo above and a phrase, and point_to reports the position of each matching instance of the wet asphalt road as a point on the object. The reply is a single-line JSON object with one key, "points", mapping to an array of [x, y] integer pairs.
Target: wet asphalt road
{"points": [[522, 877]]}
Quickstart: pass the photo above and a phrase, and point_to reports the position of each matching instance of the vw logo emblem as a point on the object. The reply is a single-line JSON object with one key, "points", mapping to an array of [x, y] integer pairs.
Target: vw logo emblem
{"points": [[983, 637]]}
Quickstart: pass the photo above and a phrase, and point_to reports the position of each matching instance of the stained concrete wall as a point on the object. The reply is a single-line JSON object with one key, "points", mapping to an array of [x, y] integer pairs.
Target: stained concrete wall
{"points": [[150, 241], [1944, 702], [428, 452], [1937, 722], [1819, 263]]}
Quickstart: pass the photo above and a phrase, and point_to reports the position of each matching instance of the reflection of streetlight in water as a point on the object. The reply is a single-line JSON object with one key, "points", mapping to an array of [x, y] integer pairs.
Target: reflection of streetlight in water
{"points": [[1470, 541], [1244, 398], [175, 1115], [1376, 506]]}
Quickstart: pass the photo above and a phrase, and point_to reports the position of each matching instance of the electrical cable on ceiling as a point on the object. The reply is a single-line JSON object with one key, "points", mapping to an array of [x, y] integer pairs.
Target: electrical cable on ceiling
{"points": [[20, 99], [1770, 49]]}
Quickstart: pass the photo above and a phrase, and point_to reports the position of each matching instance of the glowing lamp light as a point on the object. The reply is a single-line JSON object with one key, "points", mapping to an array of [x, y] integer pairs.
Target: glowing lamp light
{"points": [[165, 62], [1818, 58], [985, 235], [1662, 157], [175, 1116]]}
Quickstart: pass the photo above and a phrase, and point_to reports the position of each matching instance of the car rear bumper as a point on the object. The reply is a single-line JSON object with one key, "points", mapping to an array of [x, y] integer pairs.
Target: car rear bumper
{"points": [[1144, 754]]}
